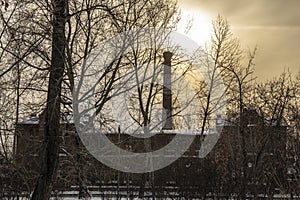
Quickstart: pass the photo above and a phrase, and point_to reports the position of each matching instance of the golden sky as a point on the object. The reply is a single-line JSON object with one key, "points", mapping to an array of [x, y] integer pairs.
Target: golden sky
{"points": [[272, 25]]}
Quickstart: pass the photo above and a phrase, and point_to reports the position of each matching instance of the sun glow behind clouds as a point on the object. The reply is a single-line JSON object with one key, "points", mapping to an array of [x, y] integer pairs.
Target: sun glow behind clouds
{"points": [[200, 26]]}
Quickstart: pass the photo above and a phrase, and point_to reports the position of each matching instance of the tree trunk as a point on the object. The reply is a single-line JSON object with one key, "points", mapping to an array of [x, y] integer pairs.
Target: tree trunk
{"points": [[47, 177]]}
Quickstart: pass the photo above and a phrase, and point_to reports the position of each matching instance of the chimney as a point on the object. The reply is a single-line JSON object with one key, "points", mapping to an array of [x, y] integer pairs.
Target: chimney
{"points": [[167, 92], [219, 120]]}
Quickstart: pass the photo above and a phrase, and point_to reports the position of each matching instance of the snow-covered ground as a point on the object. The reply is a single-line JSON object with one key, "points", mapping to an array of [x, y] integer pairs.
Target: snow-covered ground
{"points": [[72, 197]]}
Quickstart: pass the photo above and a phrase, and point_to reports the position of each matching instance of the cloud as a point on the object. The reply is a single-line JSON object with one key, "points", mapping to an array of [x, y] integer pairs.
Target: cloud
{"points": [[251, 12], [268, 27], [278, 49], [273, 25]]}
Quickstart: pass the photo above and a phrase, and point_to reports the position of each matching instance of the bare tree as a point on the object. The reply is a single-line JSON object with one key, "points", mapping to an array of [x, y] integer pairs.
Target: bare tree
{"points": [[88, 22], [52, 118], [293, 149], [228, 58], [276, 100]]}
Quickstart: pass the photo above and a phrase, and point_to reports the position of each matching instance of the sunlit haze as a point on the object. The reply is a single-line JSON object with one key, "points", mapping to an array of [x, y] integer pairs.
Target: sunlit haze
{"points": [[195, 25], [271, 25]]}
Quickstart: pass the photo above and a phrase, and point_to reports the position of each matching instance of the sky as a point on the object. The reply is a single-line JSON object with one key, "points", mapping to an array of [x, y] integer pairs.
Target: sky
{"points": [[271, 25]]}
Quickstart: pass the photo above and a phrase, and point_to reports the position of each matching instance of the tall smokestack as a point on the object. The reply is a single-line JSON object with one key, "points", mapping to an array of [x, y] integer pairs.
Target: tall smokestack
{"points": [[167, 92]]}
